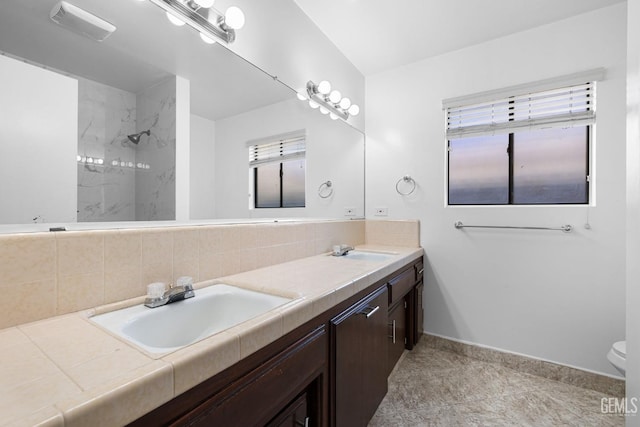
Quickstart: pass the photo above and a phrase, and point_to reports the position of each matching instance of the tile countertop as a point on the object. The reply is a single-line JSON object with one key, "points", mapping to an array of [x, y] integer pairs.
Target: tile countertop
{"points": [[66, 371]]}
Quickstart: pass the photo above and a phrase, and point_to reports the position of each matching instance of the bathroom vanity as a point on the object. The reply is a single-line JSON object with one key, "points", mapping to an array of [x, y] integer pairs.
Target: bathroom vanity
{"points": [[331, 370], [287, 363]]}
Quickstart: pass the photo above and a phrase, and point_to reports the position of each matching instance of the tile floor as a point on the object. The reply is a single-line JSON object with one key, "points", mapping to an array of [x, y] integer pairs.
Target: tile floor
{"points": [[437, 388]]}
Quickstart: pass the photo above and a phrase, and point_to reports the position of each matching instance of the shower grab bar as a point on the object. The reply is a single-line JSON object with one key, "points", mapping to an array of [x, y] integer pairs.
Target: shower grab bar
{"points": [[567, 228]]}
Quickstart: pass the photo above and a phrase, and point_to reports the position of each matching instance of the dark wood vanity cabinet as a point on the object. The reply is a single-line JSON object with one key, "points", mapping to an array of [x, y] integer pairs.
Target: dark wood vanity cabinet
{"points": [[406, 314], [331, 371], [296, 414], [359, 368], [417, 316], [397, 333], [287, 386]]}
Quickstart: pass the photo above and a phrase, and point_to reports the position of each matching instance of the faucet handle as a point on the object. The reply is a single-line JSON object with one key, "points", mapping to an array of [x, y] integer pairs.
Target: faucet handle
{"points": [[156, 290], [185, 282]]}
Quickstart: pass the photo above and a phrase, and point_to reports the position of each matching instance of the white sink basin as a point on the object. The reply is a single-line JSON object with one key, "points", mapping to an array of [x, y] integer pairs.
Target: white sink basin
{"points": [[368, 255], [170, 327]]}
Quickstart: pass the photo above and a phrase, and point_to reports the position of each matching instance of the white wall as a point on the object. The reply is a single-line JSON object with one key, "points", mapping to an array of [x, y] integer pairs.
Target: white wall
{"points": [[38, 144], [633, 205], [202, 168], [334, 151], [549, 295]]}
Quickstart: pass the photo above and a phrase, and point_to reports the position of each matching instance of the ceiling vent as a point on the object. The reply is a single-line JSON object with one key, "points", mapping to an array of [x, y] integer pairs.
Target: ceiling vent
{"points": [[81, 21]]}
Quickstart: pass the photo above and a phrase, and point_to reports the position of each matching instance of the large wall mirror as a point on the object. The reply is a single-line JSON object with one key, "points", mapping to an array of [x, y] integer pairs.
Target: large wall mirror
{"points": [[89, 133]]}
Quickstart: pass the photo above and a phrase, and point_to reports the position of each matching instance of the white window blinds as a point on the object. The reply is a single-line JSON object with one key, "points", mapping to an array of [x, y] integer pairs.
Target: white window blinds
{"points": [[564, 107], [277, 151]]}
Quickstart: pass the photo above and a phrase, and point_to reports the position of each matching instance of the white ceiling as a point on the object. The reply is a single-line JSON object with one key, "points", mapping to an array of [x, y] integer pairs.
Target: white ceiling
{"points": [[374, 36], [377, 35]]}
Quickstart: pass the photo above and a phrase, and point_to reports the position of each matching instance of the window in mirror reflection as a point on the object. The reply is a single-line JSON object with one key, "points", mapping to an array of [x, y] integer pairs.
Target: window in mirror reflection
{"points": [[279, 172]]}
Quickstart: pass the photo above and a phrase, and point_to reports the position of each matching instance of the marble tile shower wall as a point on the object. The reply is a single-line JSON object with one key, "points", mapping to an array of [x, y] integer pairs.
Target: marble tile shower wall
{"points": [[106, 116], [48, 274], [125, 193], [155, 187]]}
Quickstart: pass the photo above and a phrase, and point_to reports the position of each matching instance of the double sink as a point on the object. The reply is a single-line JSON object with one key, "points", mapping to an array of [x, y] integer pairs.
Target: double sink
{"points": [[214, 309]]}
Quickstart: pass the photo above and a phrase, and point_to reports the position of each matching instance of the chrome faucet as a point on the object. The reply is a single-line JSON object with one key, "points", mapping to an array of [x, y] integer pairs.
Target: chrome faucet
{"points": [[340, 250], [158, 295]]}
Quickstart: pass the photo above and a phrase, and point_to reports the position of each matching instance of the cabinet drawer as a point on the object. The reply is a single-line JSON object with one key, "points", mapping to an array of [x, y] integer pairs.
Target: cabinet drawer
{"points": [[263, 392], [400, 285]]}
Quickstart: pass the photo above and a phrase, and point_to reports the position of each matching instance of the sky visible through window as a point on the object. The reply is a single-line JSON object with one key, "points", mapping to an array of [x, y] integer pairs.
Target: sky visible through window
{"points": [[550, 166]]}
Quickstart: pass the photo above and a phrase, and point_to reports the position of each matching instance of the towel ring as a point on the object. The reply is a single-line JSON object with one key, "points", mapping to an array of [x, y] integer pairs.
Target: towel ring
{"points": [[407, 179], [325, 186]]}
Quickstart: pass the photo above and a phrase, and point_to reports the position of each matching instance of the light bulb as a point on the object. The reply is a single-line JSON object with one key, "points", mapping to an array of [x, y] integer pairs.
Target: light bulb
{"points": [[130, 164], [123, 164], [175, 20], [204, 3], [324, 110], [313, 104], [234, 18], [333, 116], [205, 38], [345, 103], [114, 163], [89, 160], [83, 159], [139, 165], [335, 96], [147, 166], [99, 161], [78, 158], [324, 87], [354, 110], [301, 96]]}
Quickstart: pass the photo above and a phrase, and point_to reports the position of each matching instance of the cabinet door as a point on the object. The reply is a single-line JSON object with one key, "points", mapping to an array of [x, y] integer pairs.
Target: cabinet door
{"points": [[360, 368], [419, 316], [397, 333], [295, 414]]}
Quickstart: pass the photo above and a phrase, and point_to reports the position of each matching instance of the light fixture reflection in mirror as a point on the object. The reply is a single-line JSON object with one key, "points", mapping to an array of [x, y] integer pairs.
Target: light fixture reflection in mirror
{"points": [[204, 18]]}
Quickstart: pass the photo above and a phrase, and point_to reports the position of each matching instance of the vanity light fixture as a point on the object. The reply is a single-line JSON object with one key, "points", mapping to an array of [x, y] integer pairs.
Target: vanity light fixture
{"points": [[204, 18], [330, 101]]}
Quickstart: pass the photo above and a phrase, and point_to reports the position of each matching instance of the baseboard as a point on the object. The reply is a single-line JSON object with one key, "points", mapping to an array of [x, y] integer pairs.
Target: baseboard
{"points": [[566, 374]]}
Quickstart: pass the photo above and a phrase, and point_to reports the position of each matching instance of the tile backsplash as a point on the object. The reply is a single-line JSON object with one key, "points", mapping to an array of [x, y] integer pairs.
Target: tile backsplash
{"points": [[393, 233], [48, 274]]}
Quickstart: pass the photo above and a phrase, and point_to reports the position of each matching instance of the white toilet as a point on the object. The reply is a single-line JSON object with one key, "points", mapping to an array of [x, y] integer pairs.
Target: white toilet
{"points": [[618, 356]]}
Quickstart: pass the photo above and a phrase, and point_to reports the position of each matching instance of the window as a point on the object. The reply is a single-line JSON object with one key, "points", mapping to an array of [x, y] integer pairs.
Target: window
{"points": [[278, 172], [528, 147]]}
